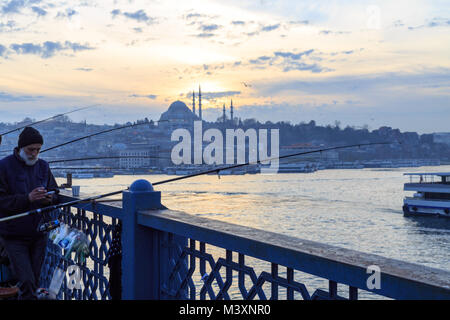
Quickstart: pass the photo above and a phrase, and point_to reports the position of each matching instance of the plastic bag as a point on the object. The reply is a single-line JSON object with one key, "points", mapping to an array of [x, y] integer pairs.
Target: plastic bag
{"points": [[52, 234], [80, 245], [68, 239], [56, 282], [63, 231]]}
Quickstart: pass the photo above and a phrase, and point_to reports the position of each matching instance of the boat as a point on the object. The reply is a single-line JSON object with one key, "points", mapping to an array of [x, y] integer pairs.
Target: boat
{"points": [[83, 175], [432, 194], [296, 168]]}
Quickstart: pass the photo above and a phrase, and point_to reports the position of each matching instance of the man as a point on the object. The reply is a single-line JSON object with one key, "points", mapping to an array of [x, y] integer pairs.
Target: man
{"points": [[24, 182]]}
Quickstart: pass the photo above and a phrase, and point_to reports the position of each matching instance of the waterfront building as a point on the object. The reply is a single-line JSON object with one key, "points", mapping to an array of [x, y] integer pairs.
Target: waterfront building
{"points": [[441, 137], [139, 156]]}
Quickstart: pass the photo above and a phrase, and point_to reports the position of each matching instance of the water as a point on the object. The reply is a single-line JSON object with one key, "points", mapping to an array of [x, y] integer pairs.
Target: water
{"points": [[358, 209]]}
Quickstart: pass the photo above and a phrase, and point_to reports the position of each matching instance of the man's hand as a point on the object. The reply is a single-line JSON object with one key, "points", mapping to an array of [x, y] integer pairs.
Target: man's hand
{"points": [[47, 200], [38, 194]]}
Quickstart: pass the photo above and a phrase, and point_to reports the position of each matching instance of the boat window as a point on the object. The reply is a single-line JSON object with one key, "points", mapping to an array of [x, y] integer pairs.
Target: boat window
{"points": [[437, 196]]}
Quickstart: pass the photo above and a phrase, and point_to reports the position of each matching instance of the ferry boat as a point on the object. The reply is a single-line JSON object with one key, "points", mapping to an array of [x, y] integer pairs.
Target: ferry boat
{"points": [[432, 194]]}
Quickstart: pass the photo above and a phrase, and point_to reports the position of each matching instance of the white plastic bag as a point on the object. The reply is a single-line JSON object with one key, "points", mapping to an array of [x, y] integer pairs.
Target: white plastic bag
{"points": [[55, 284]]}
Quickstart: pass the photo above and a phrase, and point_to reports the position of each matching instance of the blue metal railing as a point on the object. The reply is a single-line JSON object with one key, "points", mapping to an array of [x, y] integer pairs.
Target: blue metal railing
{"points": [[165, 256], [97, 221]]}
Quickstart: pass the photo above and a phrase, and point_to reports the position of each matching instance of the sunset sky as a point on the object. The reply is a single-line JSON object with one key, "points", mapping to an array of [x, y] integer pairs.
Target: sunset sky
{"points": [[361, 63]]}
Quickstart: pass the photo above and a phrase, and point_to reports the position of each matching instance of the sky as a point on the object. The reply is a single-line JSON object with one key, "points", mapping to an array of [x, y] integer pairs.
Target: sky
{"points": [[361, 63]]}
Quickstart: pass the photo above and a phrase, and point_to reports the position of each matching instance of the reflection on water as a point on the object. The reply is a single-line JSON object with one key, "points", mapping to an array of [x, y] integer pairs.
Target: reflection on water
{"points": [[356, 209]]}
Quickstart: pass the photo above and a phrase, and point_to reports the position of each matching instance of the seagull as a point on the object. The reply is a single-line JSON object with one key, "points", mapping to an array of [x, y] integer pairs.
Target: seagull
{"points": [[246, 85]]}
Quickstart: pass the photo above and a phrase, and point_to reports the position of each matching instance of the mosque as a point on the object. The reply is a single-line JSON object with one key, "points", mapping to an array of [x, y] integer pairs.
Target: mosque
{"points": [[180, 116]]}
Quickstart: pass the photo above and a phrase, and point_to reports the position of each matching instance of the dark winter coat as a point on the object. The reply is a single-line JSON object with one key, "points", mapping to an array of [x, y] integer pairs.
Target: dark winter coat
{"points": [[17, 180]]}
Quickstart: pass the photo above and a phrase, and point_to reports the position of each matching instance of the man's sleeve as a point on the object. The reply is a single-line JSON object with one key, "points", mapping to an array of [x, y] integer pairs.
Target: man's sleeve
{"points": [[52, 185], [11, 203]]}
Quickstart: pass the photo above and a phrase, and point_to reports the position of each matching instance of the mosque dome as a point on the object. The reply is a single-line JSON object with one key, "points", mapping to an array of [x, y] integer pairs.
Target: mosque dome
{"points": [[178, 107], [178, 112]]}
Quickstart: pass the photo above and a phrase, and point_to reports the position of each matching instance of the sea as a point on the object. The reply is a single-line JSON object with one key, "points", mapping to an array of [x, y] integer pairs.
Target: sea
{"points": [[359, 209]]}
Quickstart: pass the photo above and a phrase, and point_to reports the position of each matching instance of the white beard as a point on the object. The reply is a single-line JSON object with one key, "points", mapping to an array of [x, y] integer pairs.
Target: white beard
{"points": [[28, 161]]}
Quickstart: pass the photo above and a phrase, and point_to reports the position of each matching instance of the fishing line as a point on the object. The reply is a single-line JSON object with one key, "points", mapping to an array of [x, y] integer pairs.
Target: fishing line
{"points": [[44, 120], [93, 198]]}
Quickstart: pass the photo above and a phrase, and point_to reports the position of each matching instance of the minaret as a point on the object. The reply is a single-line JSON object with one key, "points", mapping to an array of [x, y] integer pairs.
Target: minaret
{"points": [[193, 102], [199, 102], [224, 116], [231, 113]]}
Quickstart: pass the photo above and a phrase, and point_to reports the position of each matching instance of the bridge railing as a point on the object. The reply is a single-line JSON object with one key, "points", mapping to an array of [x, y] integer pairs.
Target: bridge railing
{"points": [[170, 254], [98, 221]]}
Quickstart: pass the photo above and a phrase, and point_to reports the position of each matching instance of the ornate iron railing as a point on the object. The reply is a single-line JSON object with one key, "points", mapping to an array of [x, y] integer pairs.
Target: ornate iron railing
{"points": [[292, 266], [97, 222], [174, 255]]}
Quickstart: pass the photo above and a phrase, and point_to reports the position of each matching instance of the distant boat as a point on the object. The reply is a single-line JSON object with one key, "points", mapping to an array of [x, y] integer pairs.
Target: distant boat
{"points": [[432, 198], [83, 175], [103, 175], [296, 168]]}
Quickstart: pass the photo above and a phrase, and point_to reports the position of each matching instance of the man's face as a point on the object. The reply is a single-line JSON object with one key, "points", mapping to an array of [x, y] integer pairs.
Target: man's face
{"points": [[32, 150]]}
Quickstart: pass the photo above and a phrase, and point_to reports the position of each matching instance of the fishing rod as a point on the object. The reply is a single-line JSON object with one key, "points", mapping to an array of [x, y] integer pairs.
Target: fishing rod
{"points": [[85, 168], [92, 135], [107, 157], [44, 120], [217, 170], [58, 206], [93, 198]]}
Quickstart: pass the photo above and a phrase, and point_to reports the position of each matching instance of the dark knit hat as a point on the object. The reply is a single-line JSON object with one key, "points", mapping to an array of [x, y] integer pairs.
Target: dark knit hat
{"points": [[29, 136]]}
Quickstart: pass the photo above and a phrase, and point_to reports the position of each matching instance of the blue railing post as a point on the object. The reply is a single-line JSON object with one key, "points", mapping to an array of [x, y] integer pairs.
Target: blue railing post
{"points": [[140, 245]]}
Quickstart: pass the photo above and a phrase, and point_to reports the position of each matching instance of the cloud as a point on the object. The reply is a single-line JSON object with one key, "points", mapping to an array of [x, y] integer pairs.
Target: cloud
{"points": [[294, 56], [288, 61], [302, 22], [40, 12], [214, 95], [330, 32], [282, 60], [6, 97], [209, 27], [191, 16], [115, 12], [84, 69], [139, 16], [148, 96], [221, 94], [435, 22], [8, 27], [238, 22], [362, 84], [26, 48], [270, 27], [252, 34], [69, 13], [205, 35], [398, 23], [48, 49], [3, 50], [301, 66], [13, 6], [76, 46]]}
